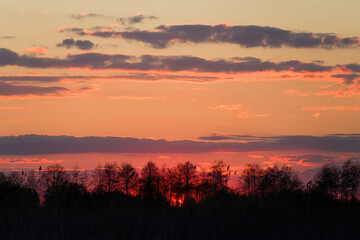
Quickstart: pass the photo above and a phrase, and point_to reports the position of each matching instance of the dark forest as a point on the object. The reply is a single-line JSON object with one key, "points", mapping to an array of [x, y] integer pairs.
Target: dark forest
{"points": [[117, 201]]}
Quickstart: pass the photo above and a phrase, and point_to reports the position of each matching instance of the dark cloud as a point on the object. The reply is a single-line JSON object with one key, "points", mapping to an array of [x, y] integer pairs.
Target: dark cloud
{"points": [[331, 143], [7, 89], [80, 44], [83, 16], [159, 63], [353, 67], [135, 19], [129, 76], [246, 36], [318, 61], [36, 144], [75, 30], [31, 78], [8, 57], [247, 138], [103, 27], [8, 37], [348, 78]]}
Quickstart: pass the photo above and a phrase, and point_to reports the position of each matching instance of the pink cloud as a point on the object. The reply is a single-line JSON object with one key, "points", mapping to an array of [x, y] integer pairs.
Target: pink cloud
{"points": [[37, 50], [245, 113], [137, 98], [229, 107], [316, 115], [305, 160], [249, 114], [292, 92], [255, 156]]}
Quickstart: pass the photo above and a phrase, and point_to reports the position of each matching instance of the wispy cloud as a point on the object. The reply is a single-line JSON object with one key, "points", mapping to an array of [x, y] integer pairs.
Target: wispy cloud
{"points": [[349, 91], [136, 98], [250, 114], [10, 108], [135, 19], [255, 156], [229, 107], [304, 159], [28, 161], [7, 37], [326, 108], [83, 15], [294, 92], [245, 111]]}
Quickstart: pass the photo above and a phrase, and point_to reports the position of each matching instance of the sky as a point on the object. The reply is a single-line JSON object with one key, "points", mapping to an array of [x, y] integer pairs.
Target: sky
{"points": [[266, 82]]}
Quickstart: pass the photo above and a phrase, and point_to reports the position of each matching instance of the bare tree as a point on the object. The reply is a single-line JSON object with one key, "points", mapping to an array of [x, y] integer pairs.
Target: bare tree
{"points": [[171, 182], [55, 175], [350, 179], [33, 180], [97, 184], [3, 178], [128, 178], [187, 179], [328, 179], [252, 177], [75, 173], [150, 181], [110, 176], [259, 181], [84, 178], [16, 178]]}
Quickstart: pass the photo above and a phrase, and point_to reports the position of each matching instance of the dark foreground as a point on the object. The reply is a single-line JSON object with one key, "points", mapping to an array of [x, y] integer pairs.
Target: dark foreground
{"points": [[223, 216]]}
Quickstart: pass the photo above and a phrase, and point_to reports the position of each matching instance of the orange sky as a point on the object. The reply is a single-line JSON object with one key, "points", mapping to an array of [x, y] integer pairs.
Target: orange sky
{"points": [[181, 71]]}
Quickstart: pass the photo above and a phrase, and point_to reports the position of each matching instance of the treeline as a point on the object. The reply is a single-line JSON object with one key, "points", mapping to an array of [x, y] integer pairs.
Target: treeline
{"points": [[336, 181], [186, 182], [117, 201]]}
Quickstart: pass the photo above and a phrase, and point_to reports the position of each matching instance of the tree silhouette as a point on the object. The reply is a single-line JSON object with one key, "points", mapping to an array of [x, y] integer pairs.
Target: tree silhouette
{"points": [[350, 179], [150, 181], [171, 185], [128, 178], [97, 180], [75, 174], [328, 180], [272, 180], [16, 178], [187, 179], [33, 180], [110, 177], [64, 194], [55, 175], [252, 176], [288, 181], [219, 176], [3, 178]]}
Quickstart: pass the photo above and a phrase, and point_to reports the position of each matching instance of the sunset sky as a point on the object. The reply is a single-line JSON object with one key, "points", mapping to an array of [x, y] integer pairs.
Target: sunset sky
{"points": [[244, 81]]}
